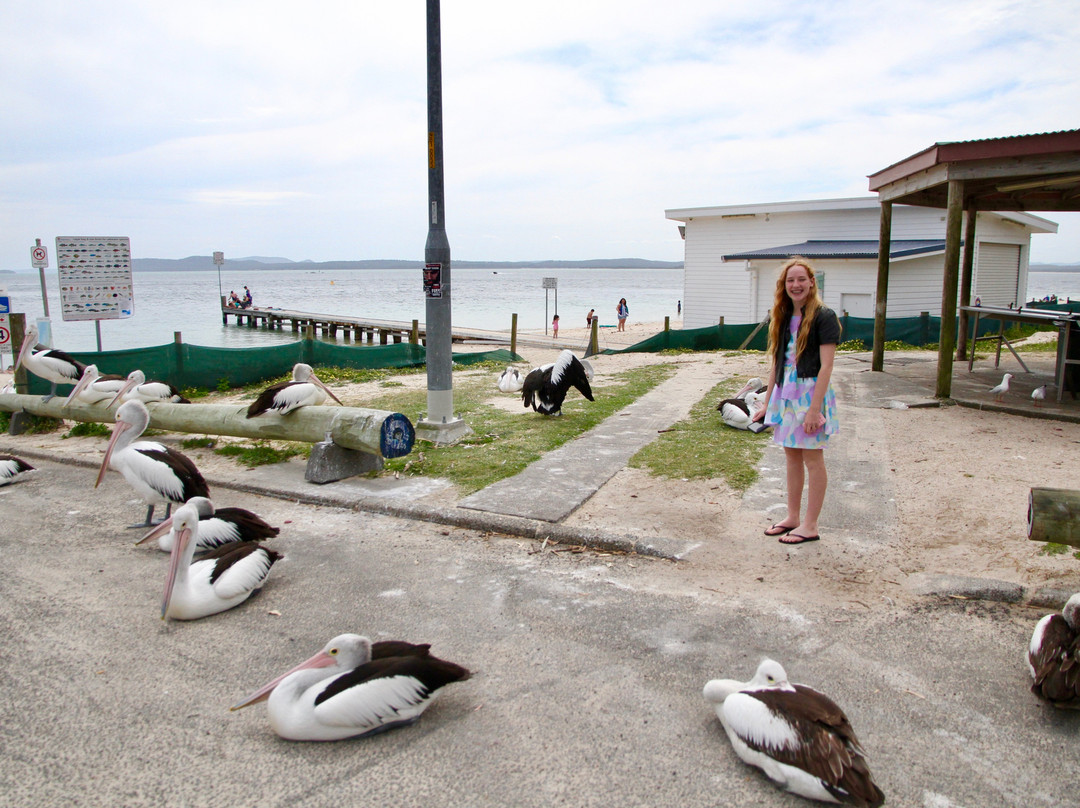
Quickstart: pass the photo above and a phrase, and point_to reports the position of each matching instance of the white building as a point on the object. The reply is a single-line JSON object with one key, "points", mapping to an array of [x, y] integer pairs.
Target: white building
{"points": [[732, 254]]}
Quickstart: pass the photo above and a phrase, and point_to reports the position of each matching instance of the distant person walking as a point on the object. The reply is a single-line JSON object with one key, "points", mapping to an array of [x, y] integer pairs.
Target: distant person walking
{"points": [[590, 317], [555, 326], [678, 308], [622, 311]]}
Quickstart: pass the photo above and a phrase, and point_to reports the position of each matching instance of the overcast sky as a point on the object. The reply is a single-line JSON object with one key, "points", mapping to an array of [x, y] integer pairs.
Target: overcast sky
{"points": [[299, 129]]}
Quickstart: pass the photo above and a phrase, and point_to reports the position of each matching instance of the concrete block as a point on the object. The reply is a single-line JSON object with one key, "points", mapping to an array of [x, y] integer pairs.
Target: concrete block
{"points": [[330, 463]]}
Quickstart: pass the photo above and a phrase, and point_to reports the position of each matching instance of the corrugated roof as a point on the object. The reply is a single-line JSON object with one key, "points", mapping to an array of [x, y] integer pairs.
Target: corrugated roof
{"points": [[864, 248]]}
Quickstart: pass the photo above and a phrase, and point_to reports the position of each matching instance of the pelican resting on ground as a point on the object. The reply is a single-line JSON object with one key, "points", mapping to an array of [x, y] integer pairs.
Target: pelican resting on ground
{"points": [[1038, 395], [55, 367], [1054, 657], [12, 468], [796, 735], [305, 390], [999, 391], [510, 381], [137, 388], [545, 387], [352, 689], [225, 577], [94, 388], [217, 526], [738, 411], [156, 472]]}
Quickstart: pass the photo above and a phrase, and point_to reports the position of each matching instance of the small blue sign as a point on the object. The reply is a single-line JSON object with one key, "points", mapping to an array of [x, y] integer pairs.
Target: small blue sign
{"points": [[5, 305]]}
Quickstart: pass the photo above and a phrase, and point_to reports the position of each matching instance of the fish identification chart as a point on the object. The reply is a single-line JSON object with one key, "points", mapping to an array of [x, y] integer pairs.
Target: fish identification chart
{"points": [[95, 277]]}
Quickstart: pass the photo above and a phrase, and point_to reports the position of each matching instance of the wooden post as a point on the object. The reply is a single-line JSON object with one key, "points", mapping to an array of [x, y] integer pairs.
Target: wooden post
{"points": [[414, 333], [720, 331], [594, 341], [1054, 515], [224, 314], [965, 283], [667, 322], [178, 348], [947, 339], [924, 327], [18, 334], [513, 333], [877, 361]]}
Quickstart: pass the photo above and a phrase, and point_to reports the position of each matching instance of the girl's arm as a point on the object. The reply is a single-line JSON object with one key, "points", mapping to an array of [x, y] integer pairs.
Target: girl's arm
{"points": [[815, 418]]}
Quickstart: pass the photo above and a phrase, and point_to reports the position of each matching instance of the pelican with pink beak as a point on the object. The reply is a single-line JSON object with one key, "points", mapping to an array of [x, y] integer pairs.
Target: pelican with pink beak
{"points": [[137, 388], [94, 388], [217, 526], [55, 367], [305, 390]]}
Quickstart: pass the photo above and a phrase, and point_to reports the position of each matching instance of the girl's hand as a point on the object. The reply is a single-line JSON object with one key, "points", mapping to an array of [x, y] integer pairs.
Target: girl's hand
{"points": [[759, 415], [813, 422]]}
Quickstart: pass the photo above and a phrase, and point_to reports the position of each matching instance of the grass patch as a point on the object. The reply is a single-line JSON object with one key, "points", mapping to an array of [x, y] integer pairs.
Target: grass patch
{"points": [[702, 447], [503, 443], [34, 424], [198, 443], [88, 429], [259, 453], [1053, 549]]}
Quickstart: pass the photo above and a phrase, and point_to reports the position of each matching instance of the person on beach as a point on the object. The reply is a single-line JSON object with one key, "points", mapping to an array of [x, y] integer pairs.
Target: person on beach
{"points": [[800, 403], [678, 308], [590, 317], [622, 311], [555, 326]]}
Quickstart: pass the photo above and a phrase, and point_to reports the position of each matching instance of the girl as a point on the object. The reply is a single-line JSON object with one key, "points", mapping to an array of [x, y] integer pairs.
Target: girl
{"points": [[555, 325], [800, 403], [622, 311]]}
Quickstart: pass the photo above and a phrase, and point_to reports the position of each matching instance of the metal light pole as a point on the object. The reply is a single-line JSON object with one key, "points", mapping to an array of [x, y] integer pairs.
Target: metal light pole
{"points": [[440, 425]]}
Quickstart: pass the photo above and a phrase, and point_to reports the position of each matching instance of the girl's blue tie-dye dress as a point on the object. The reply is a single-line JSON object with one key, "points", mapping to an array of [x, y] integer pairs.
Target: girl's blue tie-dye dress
{"points": [[791, 401]]}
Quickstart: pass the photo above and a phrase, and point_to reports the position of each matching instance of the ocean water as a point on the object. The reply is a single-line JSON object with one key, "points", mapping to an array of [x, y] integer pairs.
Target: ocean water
{"points": [[166, 302], [1062, 284]]}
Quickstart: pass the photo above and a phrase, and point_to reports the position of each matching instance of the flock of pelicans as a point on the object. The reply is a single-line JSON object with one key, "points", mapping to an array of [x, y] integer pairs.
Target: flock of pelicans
{"points": [[355, 688]]}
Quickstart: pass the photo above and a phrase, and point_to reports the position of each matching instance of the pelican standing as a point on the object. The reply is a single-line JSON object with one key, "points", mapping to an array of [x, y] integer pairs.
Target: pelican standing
{"points": [[217, 526], [796, 735], [55, 367], [545, 387], [1054, 657], [94, 388], [224, 578], [305, 390], [999, 391], [12, 468], [156, 472], [510, 380], [137, 388], [351, 689]]}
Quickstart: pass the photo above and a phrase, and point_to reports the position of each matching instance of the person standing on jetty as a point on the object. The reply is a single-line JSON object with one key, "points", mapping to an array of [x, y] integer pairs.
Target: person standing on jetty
{"points": [[622, 311], [800, 403]]}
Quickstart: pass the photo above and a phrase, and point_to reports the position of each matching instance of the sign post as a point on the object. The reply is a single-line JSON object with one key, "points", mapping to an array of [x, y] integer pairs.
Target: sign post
{"points": [[39, 259], [550, 283], [219, 259], [5, 323]]}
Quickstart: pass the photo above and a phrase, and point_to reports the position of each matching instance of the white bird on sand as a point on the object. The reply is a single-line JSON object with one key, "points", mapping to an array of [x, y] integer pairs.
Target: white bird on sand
{"points": [[999, 391], [156, 472], [1054, 657], [224, 578], [305, 390], [55, 367], [510, 380], [352, 689], [94, 388], [12, 468], [217, 526], [799, 737], [137, 388], [545, 388], [1038, 395]]}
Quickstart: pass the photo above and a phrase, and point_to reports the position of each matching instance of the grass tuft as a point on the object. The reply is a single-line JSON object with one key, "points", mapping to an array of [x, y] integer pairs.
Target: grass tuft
{"points": [[259, 453], [88, 429]]}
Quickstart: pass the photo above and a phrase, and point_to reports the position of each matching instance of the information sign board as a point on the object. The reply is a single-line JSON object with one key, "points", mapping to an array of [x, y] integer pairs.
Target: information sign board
{"points": [[95, 277]]}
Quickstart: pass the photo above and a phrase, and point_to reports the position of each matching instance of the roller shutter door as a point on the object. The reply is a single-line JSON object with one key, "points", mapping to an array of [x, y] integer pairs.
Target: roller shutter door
{"points": [[997, 274]]}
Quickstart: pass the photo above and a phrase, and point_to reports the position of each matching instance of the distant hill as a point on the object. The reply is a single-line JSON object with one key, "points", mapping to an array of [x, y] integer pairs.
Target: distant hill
{"points": [[200, 262], [1054, 267]]}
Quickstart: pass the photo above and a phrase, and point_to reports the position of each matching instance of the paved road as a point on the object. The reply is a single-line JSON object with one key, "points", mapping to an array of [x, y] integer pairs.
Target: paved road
{"points": [[586, 689]]}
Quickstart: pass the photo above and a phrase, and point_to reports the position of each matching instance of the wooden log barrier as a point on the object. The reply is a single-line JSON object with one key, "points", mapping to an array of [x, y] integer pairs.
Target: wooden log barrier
{"points": [[378, 432], [1054, 515]]}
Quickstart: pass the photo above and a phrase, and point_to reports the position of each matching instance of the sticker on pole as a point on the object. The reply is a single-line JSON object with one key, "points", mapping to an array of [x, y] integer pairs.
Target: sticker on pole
{"points": [[5, 331], [433, 280]]}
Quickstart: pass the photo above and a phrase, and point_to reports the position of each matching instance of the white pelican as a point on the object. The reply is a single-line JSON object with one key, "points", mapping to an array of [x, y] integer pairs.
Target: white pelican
{"points": [[738, 411], [999, 391], [545, 387], [1054, 657], [156, 472], [53, 366], [305, 390], [224, 578], [137, 388], [510, 380], [12, 468], [93, 388], [217, 526], [796, 735], [1038, 395], [352, 689]]}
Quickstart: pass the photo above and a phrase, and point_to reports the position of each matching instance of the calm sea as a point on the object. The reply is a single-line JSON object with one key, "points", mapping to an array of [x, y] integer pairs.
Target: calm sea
{"points": [[166, 302]]}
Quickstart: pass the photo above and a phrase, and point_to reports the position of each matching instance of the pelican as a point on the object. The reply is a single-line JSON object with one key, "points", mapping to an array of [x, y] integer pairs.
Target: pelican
{"points": [[305, 390], [217, 526], [137, 388], [93, 388], [352, 689], [1038, 395], [224, 578], [156, 472], [8, 388], [738, 411], [12, 468], [510, 381], [53, 366], [796, 735], [999, 391], [545, 387], [1054, 657]]}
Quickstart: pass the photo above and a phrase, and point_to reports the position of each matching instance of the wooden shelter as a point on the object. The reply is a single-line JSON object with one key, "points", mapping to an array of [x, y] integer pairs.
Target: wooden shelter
{"points": [[1024, 173]]}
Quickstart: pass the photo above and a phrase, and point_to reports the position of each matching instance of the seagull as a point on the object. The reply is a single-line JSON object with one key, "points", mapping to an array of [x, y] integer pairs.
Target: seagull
{"points": [[53, 366], [93, 388], [545, 387], [305, 390], [510, 380], [224, 578], [1038, 395], [796, 735], [217, 526], [12, 468], [137, 388], [1000, 390], [1054, 657], [353, 689]]}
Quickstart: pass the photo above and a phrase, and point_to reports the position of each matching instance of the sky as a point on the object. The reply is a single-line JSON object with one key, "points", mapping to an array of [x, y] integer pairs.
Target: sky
{"points": [[300, 130]]}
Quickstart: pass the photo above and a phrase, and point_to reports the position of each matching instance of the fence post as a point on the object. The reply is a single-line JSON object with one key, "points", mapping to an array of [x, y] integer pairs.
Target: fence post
{"points": [[513, 333], [844, 325], [307, 350], [178, 359], [924, 327], [720, 331], [414, 334]]}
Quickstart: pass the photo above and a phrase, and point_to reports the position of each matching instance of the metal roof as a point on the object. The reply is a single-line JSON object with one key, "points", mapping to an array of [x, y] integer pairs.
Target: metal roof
{"points": [[861, 248]]}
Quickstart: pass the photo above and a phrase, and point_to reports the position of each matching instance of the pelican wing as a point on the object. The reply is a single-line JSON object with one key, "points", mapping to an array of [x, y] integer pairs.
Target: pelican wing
{"points": [[285, 397], [239, 567], [62, 364], [530, 388], [1054, 659], [172, 474], [11, 467], [569, 372], [242, 524]]}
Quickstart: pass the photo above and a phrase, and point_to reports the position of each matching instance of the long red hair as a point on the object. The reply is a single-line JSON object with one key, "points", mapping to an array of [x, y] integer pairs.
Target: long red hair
{"points": [[783, 307]]}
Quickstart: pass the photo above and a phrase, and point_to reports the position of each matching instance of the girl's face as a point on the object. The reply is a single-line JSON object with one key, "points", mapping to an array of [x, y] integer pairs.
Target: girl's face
{"points": [[798, 285]]}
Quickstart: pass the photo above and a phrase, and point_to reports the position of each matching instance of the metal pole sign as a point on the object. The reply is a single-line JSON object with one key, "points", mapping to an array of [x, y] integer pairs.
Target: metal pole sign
{"points": [[39, 256], [219, 259], [95, 277], [550, 283], [5, 325]]}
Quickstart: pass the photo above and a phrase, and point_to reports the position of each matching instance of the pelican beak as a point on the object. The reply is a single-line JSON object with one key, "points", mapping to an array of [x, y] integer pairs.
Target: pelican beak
{"points": [[182, 539], [27, 347], [84, 381], [159, 530], [130, 383], [329, 392], [320, 660], [118, 430]]}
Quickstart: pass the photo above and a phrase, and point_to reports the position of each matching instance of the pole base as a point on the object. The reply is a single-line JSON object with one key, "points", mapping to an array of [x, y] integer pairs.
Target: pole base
{"points": [[330, 463], [442, 433]]}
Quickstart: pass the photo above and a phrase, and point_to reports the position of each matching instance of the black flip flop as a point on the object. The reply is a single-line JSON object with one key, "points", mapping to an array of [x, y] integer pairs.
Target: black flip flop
{"points": [[783, 530], [801, 539]]}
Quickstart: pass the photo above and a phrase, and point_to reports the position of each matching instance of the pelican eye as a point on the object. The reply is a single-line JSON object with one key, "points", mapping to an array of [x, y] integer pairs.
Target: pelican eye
{"points": [[333, 652]]}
